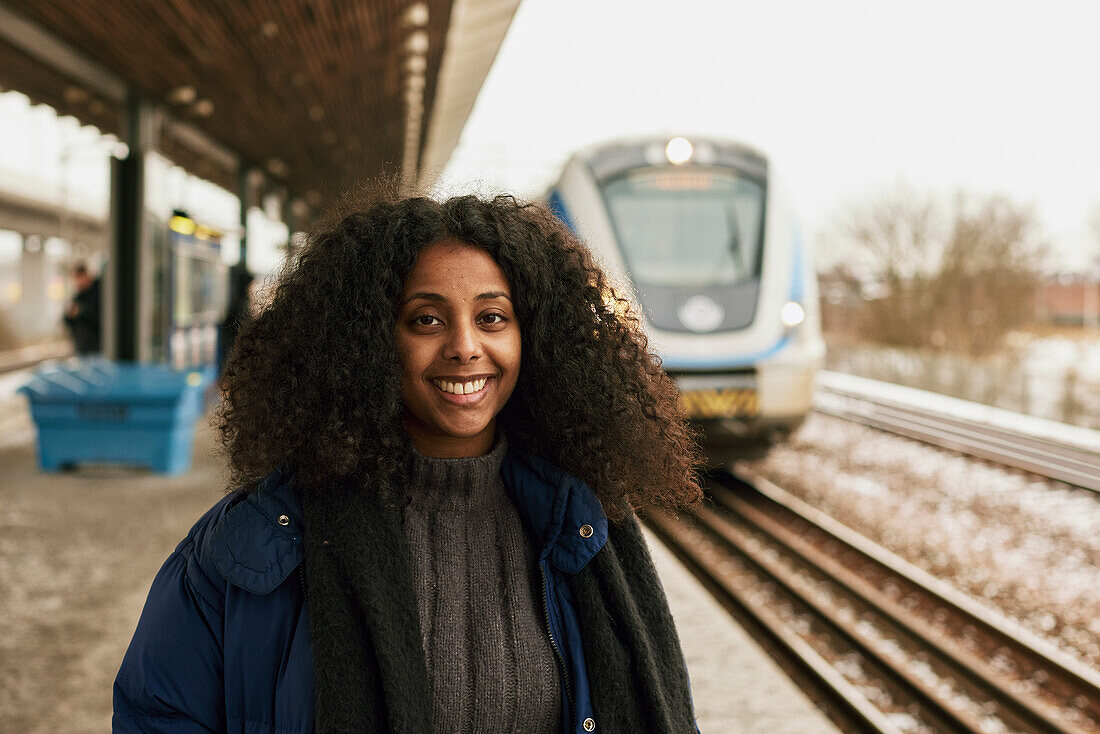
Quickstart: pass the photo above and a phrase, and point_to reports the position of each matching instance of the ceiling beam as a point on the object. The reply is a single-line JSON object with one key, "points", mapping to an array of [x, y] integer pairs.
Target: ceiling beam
{"points": [[38, 43]]}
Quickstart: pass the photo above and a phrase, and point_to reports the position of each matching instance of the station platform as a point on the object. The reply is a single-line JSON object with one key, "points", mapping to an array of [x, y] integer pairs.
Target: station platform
{"points": [[78, 551]]}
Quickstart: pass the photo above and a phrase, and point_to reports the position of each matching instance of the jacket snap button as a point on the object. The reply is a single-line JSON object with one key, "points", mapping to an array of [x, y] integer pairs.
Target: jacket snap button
{"points": [[284, 520], [589, 724], [586, 532]]}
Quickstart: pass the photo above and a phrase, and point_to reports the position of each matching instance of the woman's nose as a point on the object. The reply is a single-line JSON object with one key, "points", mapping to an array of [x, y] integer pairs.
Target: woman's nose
{"points": [[463, 344]]}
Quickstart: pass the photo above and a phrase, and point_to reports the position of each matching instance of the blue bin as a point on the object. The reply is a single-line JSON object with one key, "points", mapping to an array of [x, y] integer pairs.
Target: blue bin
{"points": [[105, 412]]}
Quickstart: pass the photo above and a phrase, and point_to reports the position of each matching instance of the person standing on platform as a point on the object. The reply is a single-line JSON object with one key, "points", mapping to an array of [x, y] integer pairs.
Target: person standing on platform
{"points": [[440, 427], [82, 313]]}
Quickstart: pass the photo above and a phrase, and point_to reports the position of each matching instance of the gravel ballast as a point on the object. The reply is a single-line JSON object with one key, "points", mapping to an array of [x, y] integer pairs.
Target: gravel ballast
{"points": [[1026, 546]]}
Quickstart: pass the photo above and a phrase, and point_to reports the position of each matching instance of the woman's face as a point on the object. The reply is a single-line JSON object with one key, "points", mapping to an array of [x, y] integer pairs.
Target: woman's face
{"points": [[458, 343]]}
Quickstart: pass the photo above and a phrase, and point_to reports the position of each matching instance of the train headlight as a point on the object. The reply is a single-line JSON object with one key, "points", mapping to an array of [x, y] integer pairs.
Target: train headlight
{"points": [[678, 151], [792, 314]]}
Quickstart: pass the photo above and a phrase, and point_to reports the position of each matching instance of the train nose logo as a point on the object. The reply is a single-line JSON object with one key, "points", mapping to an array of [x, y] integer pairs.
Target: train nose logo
{"points": [[700, 313]]}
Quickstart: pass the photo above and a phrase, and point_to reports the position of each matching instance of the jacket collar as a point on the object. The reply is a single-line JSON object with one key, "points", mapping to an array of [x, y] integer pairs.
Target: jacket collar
{"points": [[561, 510], [258, 542]]}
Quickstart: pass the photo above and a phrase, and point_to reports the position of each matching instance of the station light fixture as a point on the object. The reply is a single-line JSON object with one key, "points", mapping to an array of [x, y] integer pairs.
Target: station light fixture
{"points": [[417, 15], [417, 43], [203, 108], [207, 234], [181, 223], [277, 167], [76, 95], [678, 151], [182, 95], [299, 209]]}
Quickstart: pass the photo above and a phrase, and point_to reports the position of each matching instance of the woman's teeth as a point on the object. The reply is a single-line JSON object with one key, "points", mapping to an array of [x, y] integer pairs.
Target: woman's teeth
{"points": [[461, 388]]}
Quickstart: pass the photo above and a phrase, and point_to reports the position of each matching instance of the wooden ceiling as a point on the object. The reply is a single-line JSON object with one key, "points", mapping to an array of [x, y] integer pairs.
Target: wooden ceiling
{"points": [[316, 93]]}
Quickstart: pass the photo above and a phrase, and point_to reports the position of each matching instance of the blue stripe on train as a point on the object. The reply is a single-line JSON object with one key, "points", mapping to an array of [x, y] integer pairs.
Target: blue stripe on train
{"points": [[558, 208], [720, 362]]}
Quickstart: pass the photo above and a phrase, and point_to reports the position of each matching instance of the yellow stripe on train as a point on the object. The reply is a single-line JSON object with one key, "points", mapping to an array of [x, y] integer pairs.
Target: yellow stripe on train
{"points": [[721, 403]]}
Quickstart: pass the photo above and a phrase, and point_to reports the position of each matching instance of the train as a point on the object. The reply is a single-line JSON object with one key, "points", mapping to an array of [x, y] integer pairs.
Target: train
{"points": [[701, 239], [180, 313], [192, 281]]}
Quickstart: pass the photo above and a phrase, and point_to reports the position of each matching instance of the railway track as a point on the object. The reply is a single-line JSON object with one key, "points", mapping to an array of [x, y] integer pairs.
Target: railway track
{"points": [[880, 645], [1015, 440]]}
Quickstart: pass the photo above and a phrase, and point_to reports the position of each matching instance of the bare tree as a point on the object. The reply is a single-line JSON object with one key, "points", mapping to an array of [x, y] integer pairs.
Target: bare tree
{"points": [[899, 235], [956, 276]]}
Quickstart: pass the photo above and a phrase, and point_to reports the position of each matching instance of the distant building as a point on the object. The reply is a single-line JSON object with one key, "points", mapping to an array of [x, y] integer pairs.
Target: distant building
{"points": [[1069, 299]]}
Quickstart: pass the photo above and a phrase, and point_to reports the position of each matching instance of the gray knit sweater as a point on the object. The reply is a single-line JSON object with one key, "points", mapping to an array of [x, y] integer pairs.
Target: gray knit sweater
{"points": [[490, 662]]}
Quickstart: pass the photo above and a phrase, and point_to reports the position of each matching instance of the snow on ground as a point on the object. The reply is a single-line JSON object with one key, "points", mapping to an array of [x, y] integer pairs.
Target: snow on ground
{"points": [[1059, 353], [1025, 545], [1054, 376]]}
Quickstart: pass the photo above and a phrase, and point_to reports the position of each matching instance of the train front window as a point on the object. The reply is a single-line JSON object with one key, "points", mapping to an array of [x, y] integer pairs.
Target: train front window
{"points": [[687, 226]]}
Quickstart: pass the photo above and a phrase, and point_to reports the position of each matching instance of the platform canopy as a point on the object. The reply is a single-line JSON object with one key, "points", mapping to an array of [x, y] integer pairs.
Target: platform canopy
{"points": [[317, 94]]}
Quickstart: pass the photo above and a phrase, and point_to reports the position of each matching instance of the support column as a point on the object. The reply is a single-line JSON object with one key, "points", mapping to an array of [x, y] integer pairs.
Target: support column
{"points": [[289, 220], [240, 278], [125, 292], [297, 220], [35, 279]]}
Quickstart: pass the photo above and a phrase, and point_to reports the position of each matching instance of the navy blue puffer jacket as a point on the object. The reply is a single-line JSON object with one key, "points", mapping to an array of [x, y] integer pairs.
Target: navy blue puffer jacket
{"points": [[223, 643]]}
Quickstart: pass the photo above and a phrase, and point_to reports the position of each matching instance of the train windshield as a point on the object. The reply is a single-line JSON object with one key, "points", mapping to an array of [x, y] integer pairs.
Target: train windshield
{"points": [[688, 226]]}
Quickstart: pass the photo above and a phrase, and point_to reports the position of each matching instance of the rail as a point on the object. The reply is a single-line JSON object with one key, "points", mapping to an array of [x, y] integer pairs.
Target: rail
{"points": [[880, 645], [1066, 453]]}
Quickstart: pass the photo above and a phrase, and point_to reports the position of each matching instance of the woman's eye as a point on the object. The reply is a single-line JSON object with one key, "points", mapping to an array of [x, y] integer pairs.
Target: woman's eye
{"points": [[493, 318], [426, 320]]}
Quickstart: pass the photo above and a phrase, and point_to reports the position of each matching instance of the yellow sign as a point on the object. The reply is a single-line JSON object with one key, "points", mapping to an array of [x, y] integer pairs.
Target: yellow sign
{"points": [[729, 402]]}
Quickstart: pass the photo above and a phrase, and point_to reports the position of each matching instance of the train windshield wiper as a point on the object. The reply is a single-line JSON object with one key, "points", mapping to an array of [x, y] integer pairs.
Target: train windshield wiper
{"points": [[731, 252]]}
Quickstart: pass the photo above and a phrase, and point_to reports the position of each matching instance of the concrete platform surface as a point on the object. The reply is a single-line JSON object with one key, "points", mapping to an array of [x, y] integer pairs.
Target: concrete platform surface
{"points": [[79, 550]]}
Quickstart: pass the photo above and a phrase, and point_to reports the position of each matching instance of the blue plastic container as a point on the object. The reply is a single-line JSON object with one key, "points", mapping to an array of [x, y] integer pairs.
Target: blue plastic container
{"points": [[103, 412]]}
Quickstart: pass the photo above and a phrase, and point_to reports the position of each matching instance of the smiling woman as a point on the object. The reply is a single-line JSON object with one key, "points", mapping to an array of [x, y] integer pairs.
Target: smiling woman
{"points": [[439, 429]]}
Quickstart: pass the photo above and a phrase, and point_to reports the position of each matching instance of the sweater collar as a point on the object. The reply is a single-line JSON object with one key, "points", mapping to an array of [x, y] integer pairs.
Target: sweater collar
{"points": [[455, 486], [258, 541]]}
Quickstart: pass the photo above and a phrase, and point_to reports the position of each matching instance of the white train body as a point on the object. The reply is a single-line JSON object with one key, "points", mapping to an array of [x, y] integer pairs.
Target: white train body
{"points": [[708, 251]]}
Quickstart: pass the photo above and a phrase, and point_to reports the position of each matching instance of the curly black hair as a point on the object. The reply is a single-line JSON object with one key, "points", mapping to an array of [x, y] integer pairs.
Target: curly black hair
{"points": [[313, 380]]}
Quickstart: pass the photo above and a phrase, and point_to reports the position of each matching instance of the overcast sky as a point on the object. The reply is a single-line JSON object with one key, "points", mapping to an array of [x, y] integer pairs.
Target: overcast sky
{"points": [[845, 96]]}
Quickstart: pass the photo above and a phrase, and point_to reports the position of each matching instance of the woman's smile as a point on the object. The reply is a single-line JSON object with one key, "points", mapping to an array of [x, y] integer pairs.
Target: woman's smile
{"points": [[460, 391]]}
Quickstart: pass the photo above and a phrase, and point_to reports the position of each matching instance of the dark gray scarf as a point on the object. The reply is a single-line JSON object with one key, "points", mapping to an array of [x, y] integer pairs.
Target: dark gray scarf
{"points": [[369, 669]]}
